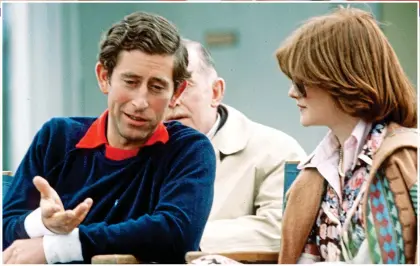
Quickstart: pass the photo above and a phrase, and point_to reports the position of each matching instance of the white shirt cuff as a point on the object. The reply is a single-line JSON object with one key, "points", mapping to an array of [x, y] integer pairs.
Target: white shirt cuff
{"points": [[34, 226], [63, 248]]}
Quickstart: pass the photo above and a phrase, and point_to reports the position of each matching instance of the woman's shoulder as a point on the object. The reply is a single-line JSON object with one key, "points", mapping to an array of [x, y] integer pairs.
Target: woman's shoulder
{"points": [[396, 130], [398, 153], [397, 138]]}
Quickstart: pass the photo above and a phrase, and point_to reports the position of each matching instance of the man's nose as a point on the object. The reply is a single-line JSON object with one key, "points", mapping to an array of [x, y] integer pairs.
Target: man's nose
{"points": [[140, 101]]}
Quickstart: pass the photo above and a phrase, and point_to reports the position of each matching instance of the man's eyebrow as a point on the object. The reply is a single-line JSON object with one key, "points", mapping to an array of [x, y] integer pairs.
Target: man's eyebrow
{"points": [[130, 75], [162, 81]]}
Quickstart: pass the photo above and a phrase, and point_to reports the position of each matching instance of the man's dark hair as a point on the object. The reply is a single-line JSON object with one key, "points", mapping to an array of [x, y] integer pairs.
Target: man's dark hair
{"points": [[149, 33]]}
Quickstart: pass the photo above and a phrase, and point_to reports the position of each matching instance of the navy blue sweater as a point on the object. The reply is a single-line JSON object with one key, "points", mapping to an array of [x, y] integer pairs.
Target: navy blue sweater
{"points": [[154, 205]]}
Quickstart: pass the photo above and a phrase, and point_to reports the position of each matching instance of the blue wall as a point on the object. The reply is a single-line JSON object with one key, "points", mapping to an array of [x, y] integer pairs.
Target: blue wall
{"points": [[254, 83]]}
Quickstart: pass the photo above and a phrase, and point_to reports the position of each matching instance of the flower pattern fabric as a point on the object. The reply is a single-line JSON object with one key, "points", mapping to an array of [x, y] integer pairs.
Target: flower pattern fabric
{"points": [[328, 228]]}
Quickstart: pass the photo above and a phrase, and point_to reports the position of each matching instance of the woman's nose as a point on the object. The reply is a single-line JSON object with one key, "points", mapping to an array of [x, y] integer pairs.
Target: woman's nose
{"points": [[293, 93]]}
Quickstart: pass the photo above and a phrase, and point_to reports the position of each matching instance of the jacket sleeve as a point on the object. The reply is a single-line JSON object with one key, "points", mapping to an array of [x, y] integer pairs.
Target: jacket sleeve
{"points": [[175, 226], [261, 230], [402, 171]]}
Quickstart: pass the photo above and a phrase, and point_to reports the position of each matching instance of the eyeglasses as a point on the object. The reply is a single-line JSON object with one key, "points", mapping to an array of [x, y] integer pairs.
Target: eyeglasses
{"points": [[300, 88]]}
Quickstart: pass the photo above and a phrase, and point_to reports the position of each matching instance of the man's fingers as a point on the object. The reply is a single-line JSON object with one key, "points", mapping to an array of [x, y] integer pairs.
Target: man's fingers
{"points": [[43, 187], [70, 219], [7, 254], [65, 221], [64, 217], [89, 202], [46, 191], [70, 215], [11, 260], [10, 254], [82, 209]]}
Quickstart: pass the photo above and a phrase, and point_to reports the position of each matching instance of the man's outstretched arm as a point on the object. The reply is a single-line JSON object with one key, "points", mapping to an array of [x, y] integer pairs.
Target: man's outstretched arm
{"points": [[174, 228]]}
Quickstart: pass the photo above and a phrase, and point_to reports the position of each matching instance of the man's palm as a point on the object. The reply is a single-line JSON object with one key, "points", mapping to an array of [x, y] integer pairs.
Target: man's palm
{"points": [[50, 201], [54, 217]]}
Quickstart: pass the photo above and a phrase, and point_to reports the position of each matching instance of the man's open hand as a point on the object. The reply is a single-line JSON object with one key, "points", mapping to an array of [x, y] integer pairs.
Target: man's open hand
{"points": [[54, 217], [25, 251]]}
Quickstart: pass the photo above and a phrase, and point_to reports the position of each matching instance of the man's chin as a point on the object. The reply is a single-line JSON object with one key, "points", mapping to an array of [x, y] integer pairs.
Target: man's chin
{"points": [[136, 139], [185, 121], [179, 119], [136, 135]]}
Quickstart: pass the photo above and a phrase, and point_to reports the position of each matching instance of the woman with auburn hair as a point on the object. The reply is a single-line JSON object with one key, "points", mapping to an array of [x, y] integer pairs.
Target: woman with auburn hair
{"points": [[355, 199]]}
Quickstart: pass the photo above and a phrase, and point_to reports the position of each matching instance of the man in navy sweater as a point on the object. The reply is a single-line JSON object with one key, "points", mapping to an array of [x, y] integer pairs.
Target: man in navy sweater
{"points": [[123, 183]]}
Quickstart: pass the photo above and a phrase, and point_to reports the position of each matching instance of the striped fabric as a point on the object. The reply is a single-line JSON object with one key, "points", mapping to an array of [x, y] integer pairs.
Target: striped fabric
{"points": [[413, 195]]}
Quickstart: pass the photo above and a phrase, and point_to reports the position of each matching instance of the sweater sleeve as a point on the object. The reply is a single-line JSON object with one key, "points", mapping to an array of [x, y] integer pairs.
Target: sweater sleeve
{"points": [[22, 197], [177, 223]]}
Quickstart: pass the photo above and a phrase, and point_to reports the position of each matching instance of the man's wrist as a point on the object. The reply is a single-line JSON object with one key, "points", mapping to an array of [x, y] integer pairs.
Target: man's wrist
{"points": [[34, 226]]}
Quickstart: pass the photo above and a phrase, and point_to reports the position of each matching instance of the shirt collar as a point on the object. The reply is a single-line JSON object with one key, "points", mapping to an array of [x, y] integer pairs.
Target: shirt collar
{"points": [[360, 133], [329, 144], [96, 134], [213, 130], [323, 151]]}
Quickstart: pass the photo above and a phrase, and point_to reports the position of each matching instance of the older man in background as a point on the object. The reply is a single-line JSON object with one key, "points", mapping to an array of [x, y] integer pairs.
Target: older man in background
{"points": [[247, 207]]}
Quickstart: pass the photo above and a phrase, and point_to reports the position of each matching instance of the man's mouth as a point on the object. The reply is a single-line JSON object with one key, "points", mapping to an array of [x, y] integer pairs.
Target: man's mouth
{"points": [[176, 117], [136, 118]]}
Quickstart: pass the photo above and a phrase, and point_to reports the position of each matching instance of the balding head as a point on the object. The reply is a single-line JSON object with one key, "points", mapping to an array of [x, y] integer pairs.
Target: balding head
{"points": [[197, 106], [200, 60]]}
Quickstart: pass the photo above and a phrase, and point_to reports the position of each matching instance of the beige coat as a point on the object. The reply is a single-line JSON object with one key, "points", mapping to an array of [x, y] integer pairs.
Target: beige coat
{"points": [[398, 152], [247, 206]]}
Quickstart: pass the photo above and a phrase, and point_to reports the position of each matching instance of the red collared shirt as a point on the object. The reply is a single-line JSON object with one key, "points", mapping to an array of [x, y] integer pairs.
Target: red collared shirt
{"points": [[96, 136]]}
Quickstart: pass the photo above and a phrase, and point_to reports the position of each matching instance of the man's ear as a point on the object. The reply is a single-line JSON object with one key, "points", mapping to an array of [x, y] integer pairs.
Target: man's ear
{"points": [[177, 94], [218, 90], [102, 77]]}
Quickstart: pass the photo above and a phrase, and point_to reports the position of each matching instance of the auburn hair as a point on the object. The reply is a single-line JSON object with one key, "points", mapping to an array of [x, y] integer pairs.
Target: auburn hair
{"points": [[347, 54]]}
